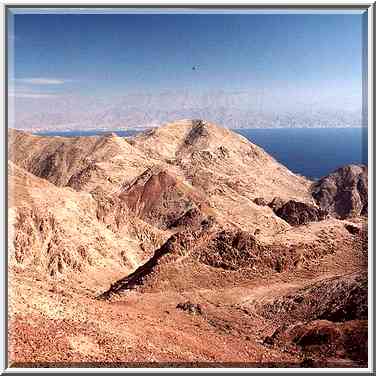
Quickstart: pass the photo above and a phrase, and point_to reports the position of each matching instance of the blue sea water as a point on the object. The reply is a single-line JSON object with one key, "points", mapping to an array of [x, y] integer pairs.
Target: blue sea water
{"points": [[311, 152]]}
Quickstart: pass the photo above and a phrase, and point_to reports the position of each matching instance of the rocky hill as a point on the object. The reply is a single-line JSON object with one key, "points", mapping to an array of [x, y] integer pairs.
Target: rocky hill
{"points": [[214, 162], [82, 163], [108, 235], [343, 193], [58, 232]]}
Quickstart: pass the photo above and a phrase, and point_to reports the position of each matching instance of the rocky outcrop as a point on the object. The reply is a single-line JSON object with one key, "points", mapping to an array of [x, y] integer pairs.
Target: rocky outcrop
{"points": [[325, 343], [277, 203], [298, 213], [191, 308], [230, 250], [260, 201], [193, 218], [325, 319], [343, 193], [338, 299]]}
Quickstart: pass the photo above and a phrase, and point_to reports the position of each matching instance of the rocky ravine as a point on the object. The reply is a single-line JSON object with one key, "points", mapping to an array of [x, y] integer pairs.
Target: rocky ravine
{"points": [[186, 244]]}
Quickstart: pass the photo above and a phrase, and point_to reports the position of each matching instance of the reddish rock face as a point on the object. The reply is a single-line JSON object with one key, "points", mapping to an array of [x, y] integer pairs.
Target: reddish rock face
{"points": [[148, 193], [160, 199]]}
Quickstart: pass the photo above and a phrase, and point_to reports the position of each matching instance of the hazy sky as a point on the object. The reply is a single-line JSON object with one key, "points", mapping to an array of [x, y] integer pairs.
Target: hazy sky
{"points": [[269, 60]]}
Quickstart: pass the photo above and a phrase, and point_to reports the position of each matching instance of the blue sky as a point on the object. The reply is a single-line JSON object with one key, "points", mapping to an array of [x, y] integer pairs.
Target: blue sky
{"points": [[311, 58]]}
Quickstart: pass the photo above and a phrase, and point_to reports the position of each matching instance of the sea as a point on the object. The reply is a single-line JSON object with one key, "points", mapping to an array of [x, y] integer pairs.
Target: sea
{"points": [[311, 152]]}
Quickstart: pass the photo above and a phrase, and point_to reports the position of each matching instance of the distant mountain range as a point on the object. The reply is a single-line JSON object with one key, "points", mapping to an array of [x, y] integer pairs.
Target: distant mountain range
{"points": [[128, 119], [231, 110]]}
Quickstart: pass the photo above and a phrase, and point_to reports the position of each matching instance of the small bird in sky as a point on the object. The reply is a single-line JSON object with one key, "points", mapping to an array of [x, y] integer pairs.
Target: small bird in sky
{"points": [[195, 67]]}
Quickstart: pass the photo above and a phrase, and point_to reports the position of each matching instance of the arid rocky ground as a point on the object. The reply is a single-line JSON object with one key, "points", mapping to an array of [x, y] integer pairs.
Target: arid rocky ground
{"points": [[184, 246]]}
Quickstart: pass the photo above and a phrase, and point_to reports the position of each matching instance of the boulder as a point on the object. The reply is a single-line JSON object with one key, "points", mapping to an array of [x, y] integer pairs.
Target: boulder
{"points": [[260, 201]]}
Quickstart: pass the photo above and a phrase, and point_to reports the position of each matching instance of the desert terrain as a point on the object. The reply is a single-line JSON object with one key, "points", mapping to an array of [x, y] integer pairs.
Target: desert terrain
{"points": [[183, 246]]}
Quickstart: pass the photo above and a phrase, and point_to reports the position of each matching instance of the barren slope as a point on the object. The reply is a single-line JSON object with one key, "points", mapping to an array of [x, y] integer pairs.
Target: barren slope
{"points": [[82, 163], [201, 247], [57, 232]]}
